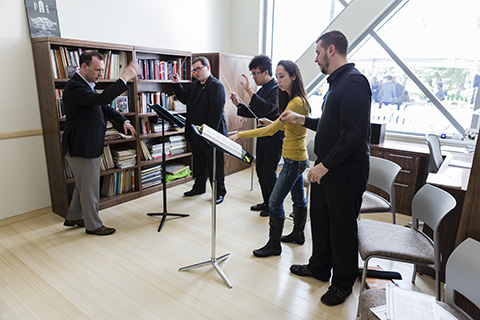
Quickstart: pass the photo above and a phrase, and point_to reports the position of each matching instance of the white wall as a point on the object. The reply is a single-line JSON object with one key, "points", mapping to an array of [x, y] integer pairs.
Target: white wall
{"points": [[192, 25]]}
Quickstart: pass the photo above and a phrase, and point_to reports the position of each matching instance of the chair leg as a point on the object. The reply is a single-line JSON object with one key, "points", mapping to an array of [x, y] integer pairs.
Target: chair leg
{"points": [[438, 294], [394, 220], [362, 284], [414, 275]]}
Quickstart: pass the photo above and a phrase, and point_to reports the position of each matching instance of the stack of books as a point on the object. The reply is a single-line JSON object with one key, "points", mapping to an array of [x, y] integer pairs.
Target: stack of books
{"points": [[178, 144], [157, 128], [151, 176], [124, 158], [156, 150], [111, 133]]}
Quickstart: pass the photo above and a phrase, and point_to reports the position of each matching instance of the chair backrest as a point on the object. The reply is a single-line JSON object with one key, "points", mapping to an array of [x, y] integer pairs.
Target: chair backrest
{"points": [[462, 273], [311, 157], [430, 205], [310, 147], [382, 175], [436, 158]]}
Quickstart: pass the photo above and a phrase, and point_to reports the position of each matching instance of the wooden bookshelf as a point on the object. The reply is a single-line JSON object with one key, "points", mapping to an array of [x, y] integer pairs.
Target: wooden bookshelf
{"points": [[50, 56]]}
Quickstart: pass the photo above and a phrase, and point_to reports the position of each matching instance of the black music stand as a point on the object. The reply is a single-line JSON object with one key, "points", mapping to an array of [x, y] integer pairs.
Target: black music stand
{"points": [[164, 114], [245, 157]]}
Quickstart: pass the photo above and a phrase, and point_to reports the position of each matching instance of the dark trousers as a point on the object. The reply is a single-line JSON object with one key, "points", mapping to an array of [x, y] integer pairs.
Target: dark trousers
{"points": [[334, 208], [203, 168], [266, 168]]}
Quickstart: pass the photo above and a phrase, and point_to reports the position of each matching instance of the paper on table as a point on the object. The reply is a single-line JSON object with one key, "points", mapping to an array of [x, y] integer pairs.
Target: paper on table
{"points": [[460, 164]]}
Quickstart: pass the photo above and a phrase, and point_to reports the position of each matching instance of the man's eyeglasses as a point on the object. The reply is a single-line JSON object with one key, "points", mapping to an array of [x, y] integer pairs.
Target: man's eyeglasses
{"points": [[256, 73], [198, 69]]}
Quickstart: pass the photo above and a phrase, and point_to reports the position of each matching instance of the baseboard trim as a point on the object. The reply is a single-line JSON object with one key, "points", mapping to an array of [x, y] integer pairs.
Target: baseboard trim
{"points": [[25, 216]]}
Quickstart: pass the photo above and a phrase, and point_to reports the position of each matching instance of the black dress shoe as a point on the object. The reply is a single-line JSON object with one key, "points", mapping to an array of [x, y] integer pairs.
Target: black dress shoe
{"points": [[335, 296], [73, 223], [259, 207], [219, 199], [301, 270], [265, 212], [192, 193], [102, 231]]}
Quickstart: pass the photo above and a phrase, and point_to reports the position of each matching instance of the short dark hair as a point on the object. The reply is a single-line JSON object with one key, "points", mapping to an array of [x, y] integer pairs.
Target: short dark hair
{"points": [[336, 38], [204, 61], [87, 56], [261, 62]]}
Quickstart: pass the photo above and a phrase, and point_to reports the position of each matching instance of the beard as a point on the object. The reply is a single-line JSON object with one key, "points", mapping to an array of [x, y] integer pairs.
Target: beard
{"points": [[326, 65]]}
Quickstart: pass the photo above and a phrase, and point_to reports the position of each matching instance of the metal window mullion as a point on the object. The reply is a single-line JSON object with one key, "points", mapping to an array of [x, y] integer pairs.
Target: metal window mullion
{"points": [[419, 83]]}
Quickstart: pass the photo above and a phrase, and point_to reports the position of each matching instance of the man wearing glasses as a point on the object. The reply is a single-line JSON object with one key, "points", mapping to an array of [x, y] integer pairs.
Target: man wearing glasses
{"points": [[263, 104], [205, 100]]}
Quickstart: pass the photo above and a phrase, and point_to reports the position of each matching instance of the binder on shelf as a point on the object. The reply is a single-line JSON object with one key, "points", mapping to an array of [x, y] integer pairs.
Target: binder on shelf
{"points": [[223, 143], [167, 115]]}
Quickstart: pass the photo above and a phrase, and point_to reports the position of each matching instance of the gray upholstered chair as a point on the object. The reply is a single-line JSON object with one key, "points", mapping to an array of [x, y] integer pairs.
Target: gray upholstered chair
{"points": [[382, 175], [436, 157], [461, 275], [393, 242]]}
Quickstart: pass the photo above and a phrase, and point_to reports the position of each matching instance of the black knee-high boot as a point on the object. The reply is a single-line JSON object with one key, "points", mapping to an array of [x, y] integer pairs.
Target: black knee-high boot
{"points": [[299, 221], [273, 246]]}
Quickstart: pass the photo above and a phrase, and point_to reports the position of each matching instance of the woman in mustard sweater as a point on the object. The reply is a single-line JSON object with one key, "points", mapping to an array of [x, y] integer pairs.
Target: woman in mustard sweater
{"points": [[291, 96]]}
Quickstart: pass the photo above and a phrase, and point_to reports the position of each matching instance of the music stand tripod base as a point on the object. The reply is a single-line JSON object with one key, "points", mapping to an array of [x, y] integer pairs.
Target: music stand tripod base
{"points": [[162, 222], [164, 178], [214, 262]]}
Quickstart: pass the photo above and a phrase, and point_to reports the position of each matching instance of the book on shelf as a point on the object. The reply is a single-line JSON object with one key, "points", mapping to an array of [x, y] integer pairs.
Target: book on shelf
{"points": [[146, 155], [174, 167], [118, 183], [167, 115], [110, 132], [151, 176], [223, 142], [156, 69], [120, 103], [124, 157], [106, 159]]}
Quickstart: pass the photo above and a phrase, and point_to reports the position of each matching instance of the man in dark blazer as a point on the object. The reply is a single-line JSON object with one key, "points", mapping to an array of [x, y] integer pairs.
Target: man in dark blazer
{"points": [[205, 100], [84, 134], [264, 105]]}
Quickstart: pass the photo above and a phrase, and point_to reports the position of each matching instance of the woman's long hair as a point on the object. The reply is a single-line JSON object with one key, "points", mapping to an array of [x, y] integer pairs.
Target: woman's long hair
{"points": [[298, 89]]}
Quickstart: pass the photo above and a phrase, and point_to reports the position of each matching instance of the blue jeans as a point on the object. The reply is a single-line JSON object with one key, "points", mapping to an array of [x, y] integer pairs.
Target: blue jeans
{"points": [[290, 179]]}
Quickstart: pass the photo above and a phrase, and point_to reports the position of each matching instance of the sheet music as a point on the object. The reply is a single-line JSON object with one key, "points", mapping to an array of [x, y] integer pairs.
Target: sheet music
{"points": [[224, 142], [407, 304], [380, 312]]}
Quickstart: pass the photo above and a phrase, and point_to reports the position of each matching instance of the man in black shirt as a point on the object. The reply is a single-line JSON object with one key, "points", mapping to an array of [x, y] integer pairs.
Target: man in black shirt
{"points": [[340, 174], [205, 100], [263, 104]]}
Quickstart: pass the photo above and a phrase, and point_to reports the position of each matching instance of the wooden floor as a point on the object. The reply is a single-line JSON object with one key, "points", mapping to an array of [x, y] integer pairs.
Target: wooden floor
{"points": [[48, 271]]}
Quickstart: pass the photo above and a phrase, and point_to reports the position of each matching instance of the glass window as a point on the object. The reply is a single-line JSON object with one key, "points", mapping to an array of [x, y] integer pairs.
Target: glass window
{"points": [[435, 41], [296, 27]]}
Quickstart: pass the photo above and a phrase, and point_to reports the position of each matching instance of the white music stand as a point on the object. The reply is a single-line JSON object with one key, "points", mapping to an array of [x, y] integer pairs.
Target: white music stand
{"points": [[213, 259]]}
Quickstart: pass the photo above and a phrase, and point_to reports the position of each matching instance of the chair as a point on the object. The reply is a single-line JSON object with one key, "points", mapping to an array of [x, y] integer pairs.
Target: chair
{"points": [[461, 275], [311, 157], [398, 243], [436, 157], [382, 175]]}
